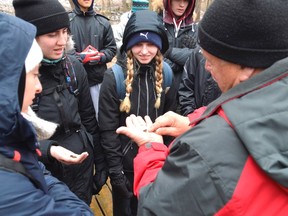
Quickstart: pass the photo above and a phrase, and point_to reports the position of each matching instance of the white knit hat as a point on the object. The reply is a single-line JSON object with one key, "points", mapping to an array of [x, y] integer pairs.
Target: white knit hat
{"points": [[34, 57]]}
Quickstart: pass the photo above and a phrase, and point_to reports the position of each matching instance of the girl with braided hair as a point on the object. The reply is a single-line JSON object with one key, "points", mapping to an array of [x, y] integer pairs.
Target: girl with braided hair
{"points": [[145, 93], [125, 105]]}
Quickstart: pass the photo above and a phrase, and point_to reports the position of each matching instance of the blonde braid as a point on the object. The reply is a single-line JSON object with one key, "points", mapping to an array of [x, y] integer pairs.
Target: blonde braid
{"points": [[125, 105], [159, 78]]}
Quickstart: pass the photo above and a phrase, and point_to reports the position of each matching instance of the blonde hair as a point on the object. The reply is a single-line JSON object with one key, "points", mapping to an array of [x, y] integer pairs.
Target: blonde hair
{"points": [[156, 5], [125, 105]]}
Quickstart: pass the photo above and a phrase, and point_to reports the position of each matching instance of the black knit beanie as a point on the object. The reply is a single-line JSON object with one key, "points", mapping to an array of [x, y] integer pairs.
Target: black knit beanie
{"points": [[252, 33], [47, 15]]}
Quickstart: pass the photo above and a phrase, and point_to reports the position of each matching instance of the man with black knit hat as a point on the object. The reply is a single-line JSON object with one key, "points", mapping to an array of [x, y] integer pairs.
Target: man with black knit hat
{"points": [[229, 158], [65, 98]]}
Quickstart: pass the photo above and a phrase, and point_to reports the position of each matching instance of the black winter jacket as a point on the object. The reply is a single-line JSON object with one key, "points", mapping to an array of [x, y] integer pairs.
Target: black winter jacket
{"points": [[93, 29], [182, 41], [118, 150], [78, 110], [181, 46], [197, 87], [78, 128]]}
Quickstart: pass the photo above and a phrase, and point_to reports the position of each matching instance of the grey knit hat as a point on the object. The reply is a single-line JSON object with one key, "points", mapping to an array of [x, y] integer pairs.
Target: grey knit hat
{"points": [[251, 33]]}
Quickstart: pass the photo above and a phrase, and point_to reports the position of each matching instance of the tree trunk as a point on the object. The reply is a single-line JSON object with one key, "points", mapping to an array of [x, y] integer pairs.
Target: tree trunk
{"points": [[197, 11], [71, 4], [208, 4], [124, 5]]}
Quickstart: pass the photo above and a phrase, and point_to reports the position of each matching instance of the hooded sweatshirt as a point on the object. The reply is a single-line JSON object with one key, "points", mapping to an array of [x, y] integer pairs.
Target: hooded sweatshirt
{"points": [[182, 37]]}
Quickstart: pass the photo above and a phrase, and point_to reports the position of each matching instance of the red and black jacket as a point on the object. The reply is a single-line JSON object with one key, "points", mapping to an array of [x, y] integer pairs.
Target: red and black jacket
{"points": [[233, 161]]}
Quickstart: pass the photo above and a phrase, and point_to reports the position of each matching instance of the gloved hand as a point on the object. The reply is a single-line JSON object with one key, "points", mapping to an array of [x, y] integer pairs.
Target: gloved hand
{"points": [[188, 41], [99, 59], [88, 57], [99, 179], [101, 175], [121, 185], [89, 54]]}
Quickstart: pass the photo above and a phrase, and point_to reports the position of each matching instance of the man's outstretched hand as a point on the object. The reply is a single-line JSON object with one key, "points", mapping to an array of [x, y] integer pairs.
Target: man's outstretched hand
{"points": [[170, 124]]}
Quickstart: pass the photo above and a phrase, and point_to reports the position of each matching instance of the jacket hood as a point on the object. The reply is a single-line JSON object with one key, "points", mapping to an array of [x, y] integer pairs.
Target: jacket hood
{"points": [[257, 110], [17, 136], [145, 20], [11, 121], [187, 18], [77, 9]]}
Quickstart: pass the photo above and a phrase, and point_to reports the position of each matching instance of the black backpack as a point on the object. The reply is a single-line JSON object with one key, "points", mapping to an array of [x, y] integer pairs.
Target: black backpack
{"points": [[70, 84]]}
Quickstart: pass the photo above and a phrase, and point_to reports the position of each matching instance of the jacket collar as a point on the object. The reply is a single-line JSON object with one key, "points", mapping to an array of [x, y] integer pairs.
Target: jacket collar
{"points": [[270, 75], [78, 11]]}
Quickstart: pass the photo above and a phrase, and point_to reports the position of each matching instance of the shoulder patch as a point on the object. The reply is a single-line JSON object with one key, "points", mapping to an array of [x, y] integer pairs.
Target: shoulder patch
{"points": [[71, 15], [100, 15]]}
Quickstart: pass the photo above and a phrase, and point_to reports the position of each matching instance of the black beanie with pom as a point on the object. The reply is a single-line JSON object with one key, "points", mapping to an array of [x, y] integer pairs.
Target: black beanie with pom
{"points": [[252, 33], [47, 15]]}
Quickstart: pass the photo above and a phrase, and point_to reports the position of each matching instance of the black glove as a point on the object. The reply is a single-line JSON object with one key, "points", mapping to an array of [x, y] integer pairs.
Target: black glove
{"points": [[99, 179], [188, 41], [101, 172], [121, 185]]}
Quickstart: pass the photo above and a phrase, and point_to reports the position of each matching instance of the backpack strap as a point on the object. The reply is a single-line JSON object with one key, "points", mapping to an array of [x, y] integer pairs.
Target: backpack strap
{"points": [[55, 94], [68, 82], [70, 76], [168, 75], [119, 78], [11, 165]]}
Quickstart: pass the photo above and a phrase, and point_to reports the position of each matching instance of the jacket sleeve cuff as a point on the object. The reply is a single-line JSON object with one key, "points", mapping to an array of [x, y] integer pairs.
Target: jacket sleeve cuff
{"points": [[150, 159], [155, 146], [45, 146]]}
